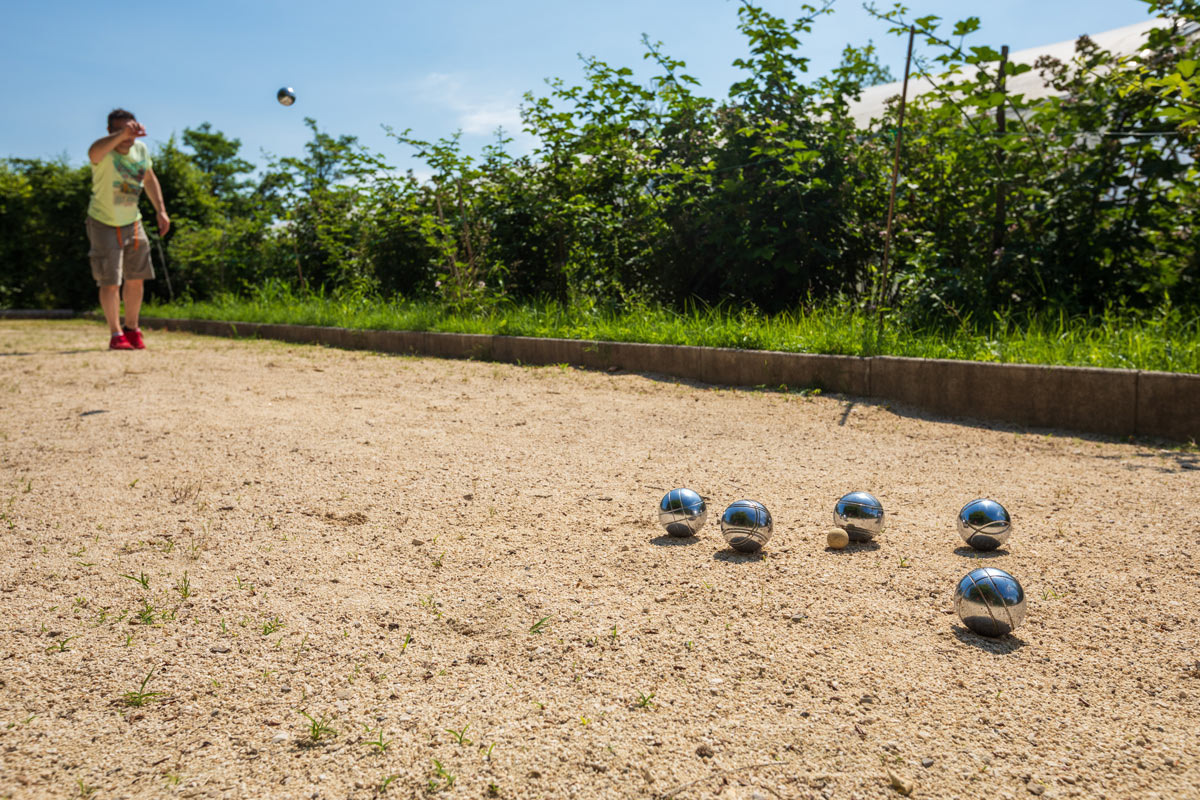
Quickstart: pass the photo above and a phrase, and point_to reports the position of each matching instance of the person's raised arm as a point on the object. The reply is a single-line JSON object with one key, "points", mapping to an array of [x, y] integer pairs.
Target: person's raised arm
{"points": [[154, 192], [103, 146]]}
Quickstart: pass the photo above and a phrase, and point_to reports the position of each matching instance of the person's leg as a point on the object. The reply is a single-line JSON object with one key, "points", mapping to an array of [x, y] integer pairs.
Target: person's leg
{"points": [[134, 289], [138, 269], [104, 254], [110, 301]]}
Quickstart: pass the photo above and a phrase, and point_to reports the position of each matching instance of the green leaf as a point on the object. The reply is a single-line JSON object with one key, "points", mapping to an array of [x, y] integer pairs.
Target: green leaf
{"points": [[966, 26]]}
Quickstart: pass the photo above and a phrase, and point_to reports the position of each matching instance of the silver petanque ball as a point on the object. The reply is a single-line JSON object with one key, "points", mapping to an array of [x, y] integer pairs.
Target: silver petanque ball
{"points": [[682, 512], [747, 525], [989, 601], [984, 524], [285, 96], [860, 515]]}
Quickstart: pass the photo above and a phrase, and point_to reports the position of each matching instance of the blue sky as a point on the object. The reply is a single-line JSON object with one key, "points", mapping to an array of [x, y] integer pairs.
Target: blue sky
{"points": [[432, 67]]}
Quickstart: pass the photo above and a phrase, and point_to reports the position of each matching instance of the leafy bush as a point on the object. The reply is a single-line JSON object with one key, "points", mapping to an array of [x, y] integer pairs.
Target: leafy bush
{"points": [[647, 193]]}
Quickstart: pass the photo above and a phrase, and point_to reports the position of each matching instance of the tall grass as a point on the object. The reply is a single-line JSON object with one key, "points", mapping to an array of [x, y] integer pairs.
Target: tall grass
{"points": [[1168, 340]]}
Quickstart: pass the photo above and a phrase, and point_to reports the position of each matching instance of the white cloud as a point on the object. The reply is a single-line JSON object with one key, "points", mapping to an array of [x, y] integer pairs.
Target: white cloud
{"points": [[485, 120], [477, 113]]}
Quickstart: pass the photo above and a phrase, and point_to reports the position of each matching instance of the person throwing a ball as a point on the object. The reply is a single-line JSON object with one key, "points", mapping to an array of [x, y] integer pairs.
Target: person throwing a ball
{"points": [[120, 250]]}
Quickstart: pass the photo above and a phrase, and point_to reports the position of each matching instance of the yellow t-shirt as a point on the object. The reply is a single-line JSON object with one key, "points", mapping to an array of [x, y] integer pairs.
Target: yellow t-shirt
{"points": [[117, 184]]}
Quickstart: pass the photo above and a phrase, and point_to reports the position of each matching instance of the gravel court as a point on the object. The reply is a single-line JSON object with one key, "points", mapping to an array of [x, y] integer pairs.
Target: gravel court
{"points": [[373, 541]]}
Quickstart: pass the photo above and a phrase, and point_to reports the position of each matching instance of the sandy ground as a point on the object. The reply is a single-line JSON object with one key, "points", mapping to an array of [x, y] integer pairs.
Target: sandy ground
{"points": [[270, 531]]}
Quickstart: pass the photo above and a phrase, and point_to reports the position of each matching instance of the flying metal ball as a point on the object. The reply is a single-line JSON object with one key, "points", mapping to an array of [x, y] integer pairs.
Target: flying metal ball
{"points": [[990, 602], [682, 512], [860, 515], [286, 96], [747, 525], [984, 524]]}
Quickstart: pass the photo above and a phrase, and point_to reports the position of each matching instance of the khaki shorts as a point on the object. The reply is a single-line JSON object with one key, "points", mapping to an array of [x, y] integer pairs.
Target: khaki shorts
{"points": [[119, 254]]}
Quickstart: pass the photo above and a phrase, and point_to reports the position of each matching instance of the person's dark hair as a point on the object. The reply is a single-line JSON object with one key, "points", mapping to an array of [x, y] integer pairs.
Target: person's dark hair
{"points": [[117, 117]]}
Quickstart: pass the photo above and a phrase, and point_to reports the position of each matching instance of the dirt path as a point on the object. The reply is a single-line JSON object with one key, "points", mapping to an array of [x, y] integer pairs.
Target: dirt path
{"points": [[373, 540]]}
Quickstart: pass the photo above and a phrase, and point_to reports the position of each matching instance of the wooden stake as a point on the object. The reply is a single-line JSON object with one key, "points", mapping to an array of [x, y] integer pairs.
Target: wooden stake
{"points": [[887, 242]]}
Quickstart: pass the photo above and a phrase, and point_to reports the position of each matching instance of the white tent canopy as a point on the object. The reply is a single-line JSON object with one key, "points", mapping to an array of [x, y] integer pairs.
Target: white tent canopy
{"points": [[1121, 41]]}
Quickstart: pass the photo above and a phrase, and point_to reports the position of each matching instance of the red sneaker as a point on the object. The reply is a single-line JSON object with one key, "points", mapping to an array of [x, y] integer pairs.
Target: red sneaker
{"points": [[135, 338], [119, 342]]}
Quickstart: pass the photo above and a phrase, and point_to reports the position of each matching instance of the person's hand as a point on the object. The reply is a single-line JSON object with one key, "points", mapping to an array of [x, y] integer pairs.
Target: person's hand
{"points": [[164, 223], [132, 130]]}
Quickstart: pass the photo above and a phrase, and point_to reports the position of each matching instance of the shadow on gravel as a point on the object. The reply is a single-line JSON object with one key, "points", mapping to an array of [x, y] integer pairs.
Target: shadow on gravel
{"points": [[731, 556], [971, 552], [1001, 647], [665, 540], [57, 352], [855, 547]]}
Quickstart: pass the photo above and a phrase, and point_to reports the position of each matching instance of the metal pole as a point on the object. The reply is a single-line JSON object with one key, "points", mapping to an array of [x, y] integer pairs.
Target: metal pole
{"points": [[166, 274], [1001, 189], [887, 242]]}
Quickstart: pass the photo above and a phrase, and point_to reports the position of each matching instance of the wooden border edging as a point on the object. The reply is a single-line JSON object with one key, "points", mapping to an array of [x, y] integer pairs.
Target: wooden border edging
{"points": [[1168, 405], [1116, 402], [1078, 398], [36, 313]]}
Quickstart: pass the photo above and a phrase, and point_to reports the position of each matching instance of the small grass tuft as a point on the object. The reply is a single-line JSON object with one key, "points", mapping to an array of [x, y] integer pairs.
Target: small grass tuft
{"points": [[319, 729], [184, 586], [142, 578], [182, 493], [380, 744], [146, 615], [61, 645], [460, 737], [441, 781], [140, 697]]}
